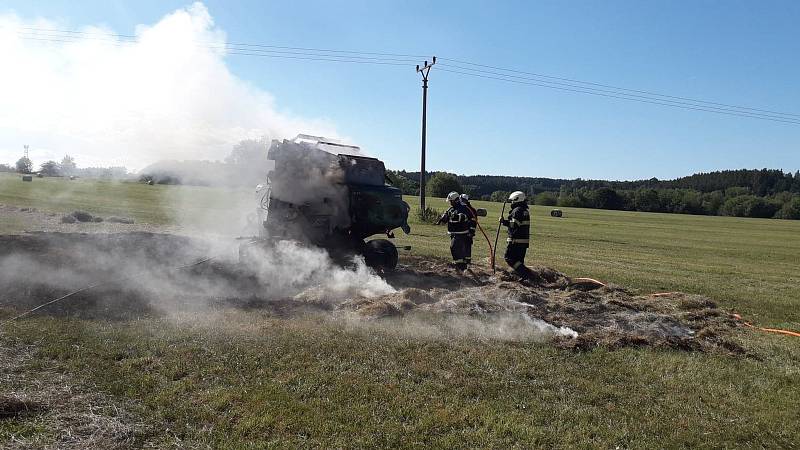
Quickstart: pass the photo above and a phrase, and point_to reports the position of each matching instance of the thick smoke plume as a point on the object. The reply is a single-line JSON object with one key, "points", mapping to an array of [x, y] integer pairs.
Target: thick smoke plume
{"points": [[109, 102]]}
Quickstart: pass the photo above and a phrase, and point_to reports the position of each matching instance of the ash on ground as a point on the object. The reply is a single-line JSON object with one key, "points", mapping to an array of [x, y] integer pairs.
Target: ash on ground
{"points": [[140, 279]]}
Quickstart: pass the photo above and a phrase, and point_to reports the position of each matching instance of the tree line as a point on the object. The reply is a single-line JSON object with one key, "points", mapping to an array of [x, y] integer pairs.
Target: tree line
{"points": [[66, 168], [766, 193]]}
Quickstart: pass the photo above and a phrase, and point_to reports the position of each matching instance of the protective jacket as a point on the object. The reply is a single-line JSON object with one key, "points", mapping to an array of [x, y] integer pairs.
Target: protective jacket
{"points": [[458, 219], [473, 218], [519, 225]]}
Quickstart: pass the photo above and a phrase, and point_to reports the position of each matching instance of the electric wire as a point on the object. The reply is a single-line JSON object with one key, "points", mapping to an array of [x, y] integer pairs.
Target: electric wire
{"points": [[133, 38], [614, 87], [558, 83], [461, 67], [265, 53], [622, 97]]}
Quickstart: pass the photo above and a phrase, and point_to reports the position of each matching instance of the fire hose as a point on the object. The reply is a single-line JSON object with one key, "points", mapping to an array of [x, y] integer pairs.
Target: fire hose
{"points": [[491, 249], [92, 286], [740, 319], [496, 237]]}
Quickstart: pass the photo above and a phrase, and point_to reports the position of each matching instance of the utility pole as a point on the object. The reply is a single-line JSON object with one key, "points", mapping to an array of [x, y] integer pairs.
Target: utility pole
{"points": [[424, 70], [26, 151]]}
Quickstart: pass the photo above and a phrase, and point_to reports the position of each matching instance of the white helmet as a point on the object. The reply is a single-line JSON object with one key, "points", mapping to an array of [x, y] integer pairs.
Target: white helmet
{"points": [[464, 198], [452, 197], [516, 197]]}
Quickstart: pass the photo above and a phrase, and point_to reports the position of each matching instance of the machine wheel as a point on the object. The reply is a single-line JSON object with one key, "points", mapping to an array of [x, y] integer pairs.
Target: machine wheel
{"points": [[380, 254]]}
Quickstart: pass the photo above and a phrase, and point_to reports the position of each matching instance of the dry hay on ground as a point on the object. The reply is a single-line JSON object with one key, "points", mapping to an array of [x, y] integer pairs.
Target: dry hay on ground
{"points": [[608, 316], [59, 411]]}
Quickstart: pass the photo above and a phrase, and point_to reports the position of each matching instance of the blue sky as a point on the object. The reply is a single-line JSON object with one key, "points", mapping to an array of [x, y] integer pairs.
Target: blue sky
{"points": [[738, 52]]}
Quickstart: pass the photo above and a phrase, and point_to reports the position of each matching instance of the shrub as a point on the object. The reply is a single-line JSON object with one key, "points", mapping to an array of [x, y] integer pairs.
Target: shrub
{"points": [[747, 206], [545, 199], [790, 210], [428, 215]]}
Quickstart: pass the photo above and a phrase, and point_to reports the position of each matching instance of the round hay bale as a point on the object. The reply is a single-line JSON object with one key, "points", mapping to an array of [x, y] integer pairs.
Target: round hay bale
{"points": [[115, 219], [82, 216]]}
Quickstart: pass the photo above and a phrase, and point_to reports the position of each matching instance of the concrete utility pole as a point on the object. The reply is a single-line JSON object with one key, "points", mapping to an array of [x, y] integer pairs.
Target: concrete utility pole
{"points": [[424, 70]]}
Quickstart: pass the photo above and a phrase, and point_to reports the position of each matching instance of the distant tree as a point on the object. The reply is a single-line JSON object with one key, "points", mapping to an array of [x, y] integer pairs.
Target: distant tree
{"points": [[647, 200], [24, 165], [67, 166], [398, 180], [499, 196], [49, 169], [6, 168], [712, 202], [736, 191], [545, 199], [442, 183], [607, 198], [250, 158], [747, 206], [790, 210]]}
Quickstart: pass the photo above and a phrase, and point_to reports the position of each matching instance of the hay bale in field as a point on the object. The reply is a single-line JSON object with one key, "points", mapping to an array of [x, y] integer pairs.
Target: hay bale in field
{"points": [[115, 219], [82, 216]]}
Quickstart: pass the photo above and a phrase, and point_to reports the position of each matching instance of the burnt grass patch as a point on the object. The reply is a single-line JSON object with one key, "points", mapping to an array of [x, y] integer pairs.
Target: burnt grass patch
{"points": [[140, 277]]}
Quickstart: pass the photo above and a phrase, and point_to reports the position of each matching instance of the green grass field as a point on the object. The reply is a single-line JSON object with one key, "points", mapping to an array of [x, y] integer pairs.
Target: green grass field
{"points": [[266, 381]]}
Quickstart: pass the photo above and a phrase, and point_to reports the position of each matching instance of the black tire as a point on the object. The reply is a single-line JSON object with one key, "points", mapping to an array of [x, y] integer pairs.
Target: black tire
{"points": [[381, 254]]}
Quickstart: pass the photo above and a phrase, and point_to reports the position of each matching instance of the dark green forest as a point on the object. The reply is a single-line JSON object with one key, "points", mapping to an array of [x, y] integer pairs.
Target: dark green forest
{"points": [[766, 193]]}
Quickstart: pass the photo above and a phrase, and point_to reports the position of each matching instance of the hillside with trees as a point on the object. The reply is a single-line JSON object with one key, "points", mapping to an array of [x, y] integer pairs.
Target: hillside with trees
{"points": [[766, 193]]}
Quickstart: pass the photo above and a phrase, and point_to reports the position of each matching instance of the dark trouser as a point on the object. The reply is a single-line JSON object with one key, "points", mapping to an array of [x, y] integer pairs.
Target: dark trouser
{"points": [[460, 247], [468, 256], [515, 257]]}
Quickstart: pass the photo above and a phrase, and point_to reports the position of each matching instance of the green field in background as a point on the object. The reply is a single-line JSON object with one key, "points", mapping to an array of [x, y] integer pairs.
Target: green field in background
{"points": [[268, 381]]}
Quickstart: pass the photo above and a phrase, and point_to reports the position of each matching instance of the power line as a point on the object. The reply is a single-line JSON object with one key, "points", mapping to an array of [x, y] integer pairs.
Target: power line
{"points": [[697, 108], [233, 47], [265, 53], [242, 44], [615, 87], [622, 93], [473, 69]]}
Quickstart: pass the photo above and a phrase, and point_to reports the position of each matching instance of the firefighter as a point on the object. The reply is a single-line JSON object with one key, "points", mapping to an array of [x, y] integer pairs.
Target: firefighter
{"points": [[519, 228], [473, 225], [458, 223]]}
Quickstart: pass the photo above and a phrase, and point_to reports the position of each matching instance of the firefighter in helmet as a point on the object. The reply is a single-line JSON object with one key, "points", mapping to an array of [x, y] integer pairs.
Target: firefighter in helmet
{"points": [[473, 225], [519, 228], [458, 227]]}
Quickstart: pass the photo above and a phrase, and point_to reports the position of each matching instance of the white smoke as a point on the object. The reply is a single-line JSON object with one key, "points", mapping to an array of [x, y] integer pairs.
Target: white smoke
{"points": [[308, 274], [168, 95]]}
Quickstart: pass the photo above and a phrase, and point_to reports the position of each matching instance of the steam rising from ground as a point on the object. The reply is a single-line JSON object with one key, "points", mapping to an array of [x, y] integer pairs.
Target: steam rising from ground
{"points": [[113, 103], [142, 277]]}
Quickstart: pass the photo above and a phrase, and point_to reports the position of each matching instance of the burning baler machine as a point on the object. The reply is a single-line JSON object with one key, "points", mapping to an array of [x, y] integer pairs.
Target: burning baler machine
{"points": [[326, 194]]}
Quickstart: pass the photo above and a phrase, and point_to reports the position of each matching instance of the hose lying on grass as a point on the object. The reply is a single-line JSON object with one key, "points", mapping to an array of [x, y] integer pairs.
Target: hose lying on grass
{"points": [[92, 286], [768, 330], [739, 318]]}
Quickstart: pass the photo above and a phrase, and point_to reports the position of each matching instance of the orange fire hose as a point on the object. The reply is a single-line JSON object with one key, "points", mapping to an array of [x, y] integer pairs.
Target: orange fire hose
{"points": [[491, 249], [768, 330], [744, 322]]}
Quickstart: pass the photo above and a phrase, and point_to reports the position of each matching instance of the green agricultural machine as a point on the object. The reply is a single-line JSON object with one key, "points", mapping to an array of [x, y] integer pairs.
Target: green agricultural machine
{"points": [[326, 194]]}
